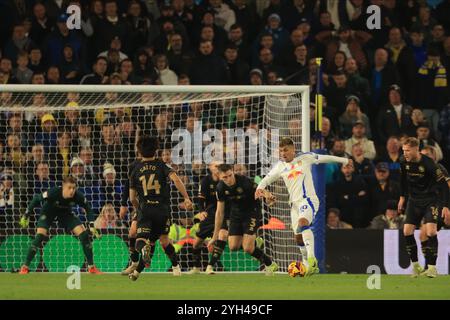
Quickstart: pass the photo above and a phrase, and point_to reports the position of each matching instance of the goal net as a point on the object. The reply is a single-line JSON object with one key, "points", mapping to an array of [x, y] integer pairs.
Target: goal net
{"points": [[49, 132]]}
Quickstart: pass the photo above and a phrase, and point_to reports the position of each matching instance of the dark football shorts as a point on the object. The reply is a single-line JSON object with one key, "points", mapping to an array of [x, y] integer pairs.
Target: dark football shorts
{"points": [[154, 220], [417, 212], [206, 228], [241, 226]]}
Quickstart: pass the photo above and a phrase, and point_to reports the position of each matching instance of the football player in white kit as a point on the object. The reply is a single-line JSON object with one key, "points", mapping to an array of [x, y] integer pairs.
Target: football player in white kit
{"points": [[296, 172]]}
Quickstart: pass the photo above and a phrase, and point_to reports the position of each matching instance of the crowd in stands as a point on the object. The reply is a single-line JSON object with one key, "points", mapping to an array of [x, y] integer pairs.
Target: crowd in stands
{"points": [[380, 86]]}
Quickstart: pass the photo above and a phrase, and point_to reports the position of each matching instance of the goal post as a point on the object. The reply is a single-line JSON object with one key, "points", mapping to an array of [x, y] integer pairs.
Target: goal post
{"points": [[51, 131]]}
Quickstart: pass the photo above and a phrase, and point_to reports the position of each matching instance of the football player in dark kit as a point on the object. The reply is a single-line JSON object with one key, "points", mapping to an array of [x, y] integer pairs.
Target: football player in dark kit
{"points": [[207, 203], [57, 204], [237, 192], [420, 178], [149, 194]]}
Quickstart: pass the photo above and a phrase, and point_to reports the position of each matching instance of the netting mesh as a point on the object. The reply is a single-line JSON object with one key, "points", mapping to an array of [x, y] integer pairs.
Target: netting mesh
{"points": [[46, 136]]}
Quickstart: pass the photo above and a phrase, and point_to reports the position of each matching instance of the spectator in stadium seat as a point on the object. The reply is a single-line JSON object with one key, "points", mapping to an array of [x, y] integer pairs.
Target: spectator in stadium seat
{"points": [[99, 75], [446, 56], [38, 77], [363, 166], [41, 24], [418, 46], [382, 189], [36, 62], [352, 115], [224, 17], [236, 37], [338, 63], [42, 179], [256, 77], [347, 40], [336, 90], [275, 27], [126, 130], [266, 63], [294, 11], [15, 126], [437, 37], [60, 160], [22, 73], [207, 34], [359, 136], [390, 219], [431, 90], [8, 198], [334, 220], [238, 69], [417, 117], [391, 155], [126, 72], [208, 68], [425, 21], [179, 56], [107, 218], [113, 25], [165, 75], [109, 189], [298, 69], [6, 68], [402, 57], [36, 156], [86, 155], [442, 13], [265, 42], [142, 28], [54, 44], [424, 136], [13, 152], [395, 117], [19, 41], [48, 136], [143, 67], [350, 195], [381, 77], [53, 75], [246, 17], [115, 46], [70, 67], [358, 85]]}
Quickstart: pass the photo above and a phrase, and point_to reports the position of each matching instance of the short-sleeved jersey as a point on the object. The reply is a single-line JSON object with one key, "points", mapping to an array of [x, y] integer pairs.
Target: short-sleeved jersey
{"points": [[239, 198], [207, 192], [150, 180], [420, 180], [55, 204]]}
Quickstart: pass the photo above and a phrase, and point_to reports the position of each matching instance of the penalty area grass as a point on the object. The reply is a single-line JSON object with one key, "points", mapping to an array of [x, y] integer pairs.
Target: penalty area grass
{"points": [[221, 287]]}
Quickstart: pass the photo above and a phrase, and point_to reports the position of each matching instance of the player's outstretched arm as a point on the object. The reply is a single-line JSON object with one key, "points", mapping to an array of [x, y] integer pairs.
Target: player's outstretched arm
{"points": [[35, 202], [273, 175], [330, 159], [182, 189]]}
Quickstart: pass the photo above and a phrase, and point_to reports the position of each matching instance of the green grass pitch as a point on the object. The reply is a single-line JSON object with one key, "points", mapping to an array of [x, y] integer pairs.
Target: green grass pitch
{"points": [[220, 286]]}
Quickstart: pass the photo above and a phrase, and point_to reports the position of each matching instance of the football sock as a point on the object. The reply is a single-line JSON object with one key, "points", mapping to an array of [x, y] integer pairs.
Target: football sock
{"points": [[303, 252], [308, 239], [261, 256], [219, 246], [426, 252], [134, 255], [196, 254], [170, 252], [87, 247], [411, 247], [35, 245], [433, 252]]}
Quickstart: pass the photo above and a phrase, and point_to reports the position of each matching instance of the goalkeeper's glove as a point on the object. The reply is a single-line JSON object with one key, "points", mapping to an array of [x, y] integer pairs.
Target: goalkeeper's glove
{"points": [[94, 232], [24, 220]]}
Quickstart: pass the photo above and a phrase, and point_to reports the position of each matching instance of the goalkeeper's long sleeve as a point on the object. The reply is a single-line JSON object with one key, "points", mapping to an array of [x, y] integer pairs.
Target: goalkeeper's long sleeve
{"points": [[35, 202]]}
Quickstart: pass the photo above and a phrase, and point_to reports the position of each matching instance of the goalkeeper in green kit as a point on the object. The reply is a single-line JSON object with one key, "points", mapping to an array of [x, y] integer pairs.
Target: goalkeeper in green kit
{"points": [[57, 204]]}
